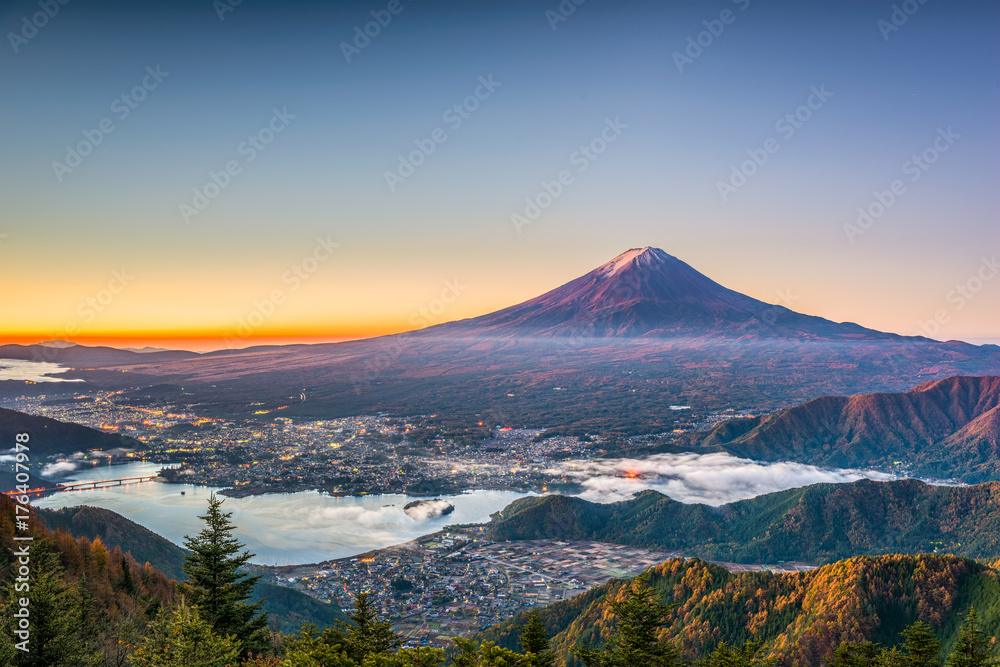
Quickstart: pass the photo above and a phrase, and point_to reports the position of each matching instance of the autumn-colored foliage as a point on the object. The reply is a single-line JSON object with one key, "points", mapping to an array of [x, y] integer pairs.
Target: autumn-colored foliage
{"points": [[800, 618]]}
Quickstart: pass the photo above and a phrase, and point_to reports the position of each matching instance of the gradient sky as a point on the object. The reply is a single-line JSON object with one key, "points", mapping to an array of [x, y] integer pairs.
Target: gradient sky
{"points": [[780, 237]]}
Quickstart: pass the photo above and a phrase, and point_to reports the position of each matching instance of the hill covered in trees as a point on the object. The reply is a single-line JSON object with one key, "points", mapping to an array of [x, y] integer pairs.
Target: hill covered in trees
{"points": [[86, 597], [816, 524], [114, 529], [287, 608], [797, 619], [51, 436], [94, 606], [946, 428]]}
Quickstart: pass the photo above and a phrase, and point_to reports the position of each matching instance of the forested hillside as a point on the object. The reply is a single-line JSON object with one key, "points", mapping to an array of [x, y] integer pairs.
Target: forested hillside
{"points": [[800, 618], [946, 428], [815, 524]]}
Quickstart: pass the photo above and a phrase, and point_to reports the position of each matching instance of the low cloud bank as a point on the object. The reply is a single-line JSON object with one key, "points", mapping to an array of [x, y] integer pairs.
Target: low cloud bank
{"points": [[421, 510], [712, 479], [59, 468]]}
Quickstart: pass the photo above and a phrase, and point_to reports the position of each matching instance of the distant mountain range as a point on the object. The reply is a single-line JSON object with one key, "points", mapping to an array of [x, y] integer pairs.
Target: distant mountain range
{"points": [[623, 343], [946, 428], [814, 524], [73, 355], [799, 617]]}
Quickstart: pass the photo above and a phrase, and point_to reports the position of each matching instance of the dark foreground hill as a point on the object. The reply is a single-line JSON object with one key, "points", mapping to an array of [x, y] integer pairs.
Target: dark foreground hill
{"points": [[73, 581], [49, 437], [946, 428], [814, 524], [287, 608], [800, 617]]}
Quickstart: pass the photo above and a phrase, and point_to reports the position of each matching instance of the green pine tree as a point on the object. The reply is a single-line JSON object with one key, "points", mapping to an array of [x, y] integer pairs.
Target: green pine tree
{"points": [[310, 648], [180, 637], [128, 585], [922, 646], [485, 654], [406, 657], [634, 642], [368, 639], [750, 655], [54, 614], [217, 587], [862, 654], [369, 635], [535, 641], [973, 646]]}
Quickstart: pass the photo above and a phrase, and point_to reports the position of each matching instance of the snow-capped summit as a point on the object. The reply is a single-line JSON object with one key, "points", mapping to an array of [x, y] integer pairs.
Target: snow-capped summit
{"points": [[646, 256]]}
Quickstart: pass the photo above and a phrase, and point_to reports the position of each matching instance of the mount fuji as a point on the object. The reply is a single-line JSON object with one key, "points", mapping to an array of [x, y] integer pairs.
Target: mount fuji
{"points": [[646, 292]]}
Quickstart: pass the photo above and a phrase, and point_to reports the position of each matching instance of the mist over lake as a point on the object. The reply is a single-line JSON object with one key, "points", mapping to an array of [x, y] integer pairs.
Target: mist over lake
{"points": [[310, 526], [32, 371], [280, 528]]}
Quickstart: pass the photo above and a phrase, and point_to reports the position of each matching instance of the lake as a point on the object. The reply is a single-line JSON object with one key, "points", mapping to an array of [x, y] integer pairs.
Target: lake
{"points": [[280, 528], [32, 371], [309, 526]]}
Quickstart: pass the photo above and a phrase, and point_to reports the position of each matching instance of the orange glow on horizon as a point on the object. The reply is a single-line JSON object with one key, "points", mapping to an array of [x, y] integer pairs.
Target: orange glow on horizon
{"points": [[198, 342]]}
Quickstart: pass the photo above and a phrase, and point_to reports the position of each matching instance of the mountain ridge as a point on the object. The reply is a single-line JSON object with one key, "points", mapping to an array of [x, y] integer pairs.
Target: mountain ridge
{"points": [[943, 428], [815, 524]]}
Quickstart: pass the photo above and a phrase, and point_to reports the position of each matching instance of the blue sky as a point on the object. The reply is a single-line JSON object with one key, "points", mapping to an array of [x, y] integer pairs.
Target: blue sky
{"points": [[780, 237]]}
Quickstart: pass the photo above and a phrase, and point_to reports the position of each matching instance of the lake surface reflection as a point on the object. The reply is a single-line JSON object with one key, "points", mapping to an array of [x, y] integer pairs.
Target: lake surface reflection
{"points": [[283, 528], [32, 371]]}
